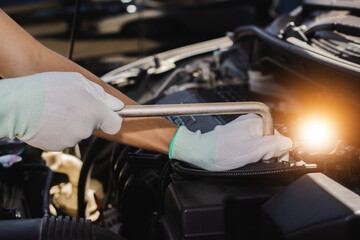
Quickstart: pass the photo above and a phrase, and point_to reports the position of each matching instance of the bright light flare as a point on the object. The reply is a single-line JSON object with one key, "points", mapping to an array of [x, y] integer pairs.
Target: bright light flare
{"points": [[317, 134], [131, 8]]}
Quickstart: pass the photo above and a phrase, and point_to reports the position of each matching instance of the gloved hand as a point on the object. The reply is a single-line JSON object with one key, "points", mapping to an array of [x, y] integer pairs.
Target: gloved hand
{"points": [[55, 110], [231, 146]]}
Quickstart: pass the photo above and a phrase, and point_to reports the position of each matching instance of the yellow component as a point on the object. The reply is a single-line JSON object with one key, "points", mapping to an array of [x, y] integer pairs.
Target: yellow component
{"points": [[64, 195]]}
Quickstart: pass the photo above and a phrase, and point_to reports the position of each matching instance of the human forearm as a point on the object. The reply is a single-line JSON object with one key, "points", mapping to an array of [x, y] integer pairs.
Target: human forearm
{"points": [[21, 55], [149, 133]]}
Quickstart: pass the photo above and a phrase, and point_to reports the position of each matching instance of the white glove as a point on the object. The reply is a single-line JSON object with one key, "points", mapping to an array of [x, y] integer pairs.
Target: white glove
{"points": [[234, 145], [55, 110]]}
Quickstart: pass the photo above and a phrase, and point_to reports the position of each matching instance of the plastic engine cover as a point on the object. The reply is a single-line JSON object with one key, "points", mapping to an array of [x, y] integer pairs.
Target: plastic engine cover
{"points": [[312, 207]]}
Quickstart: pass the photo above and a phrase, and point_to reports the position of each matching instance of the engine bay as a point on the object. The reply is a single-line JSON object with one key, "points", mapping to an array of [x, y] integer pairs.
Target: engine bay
{"points": [[304, 66]]}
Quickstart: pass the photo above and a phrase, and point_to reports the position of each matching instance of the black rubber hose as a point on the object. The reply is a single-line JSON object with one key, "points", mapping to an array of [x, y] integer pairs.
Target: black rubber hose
{"points": [[49, 228], [85, 172], [47, 185], [346, 24], [273, 41], [179, 168], [98, 149]]}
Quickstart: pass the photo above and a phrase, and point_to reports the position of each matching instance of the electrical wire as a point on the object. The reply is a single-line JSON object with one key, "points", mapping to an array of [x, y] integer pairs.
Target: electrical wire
{"points": [[74, 28], [168, 81]]}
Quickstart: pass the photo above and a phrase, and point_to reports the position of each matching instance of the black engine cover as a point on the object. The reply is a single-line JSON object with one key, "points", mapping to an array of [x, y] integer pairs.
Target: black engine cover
{"points": [[313, 207]]}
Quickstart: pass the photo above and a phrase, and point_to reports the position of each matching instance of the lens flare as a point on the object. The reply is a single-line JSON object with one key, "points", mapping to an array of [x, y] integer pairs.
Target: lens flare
{"points": [[317, 134]]}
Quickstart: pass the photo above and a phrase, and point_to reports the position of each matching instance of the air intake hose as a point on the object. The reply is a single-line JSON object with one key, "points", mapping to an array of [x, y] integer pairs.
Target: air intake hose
{"points": [[49, 228]]}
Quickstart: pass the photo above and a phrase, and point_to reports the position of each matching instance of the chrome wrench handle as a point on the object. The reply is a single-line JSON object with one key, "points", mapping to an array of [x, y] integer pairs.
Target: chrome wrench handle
{"points": [[202, 109]]}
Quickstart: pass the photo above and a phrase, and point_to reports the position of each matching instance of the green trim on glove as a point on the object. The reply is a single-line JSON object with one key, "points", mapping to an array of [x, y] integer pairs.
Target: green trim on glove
{"points": [[22, 103], [172, 143], [231, 146]]}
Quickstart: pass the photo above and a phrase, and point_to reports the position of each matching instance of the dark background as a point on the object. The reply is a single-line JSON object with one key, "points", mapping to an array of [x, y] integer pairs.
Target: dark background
{"points": [[112, 33]]}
